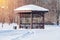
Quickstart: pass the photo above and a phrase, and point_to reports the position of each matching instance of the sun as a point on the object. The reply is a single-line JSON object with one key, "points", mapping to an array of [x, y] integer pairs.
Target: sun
{"points": [[3, 3]]}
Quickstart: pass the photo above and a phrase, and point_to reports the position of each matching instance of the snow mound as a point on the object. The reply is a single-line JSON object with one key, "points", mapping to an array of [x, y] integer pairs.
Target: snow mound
{"points": [[7, 26]]}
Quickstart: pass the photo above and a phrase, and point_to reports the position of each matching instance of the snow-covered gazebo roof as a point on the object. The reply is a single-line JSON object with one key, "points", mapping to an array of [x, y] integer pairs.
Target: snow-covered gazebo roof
{"points": [[30, 8]]}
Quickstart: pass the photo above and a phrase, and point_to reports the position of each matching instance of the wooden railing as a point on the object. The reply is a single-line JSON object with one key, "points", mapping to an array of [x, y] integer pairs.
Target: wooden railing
{"points": [[35, 25]]}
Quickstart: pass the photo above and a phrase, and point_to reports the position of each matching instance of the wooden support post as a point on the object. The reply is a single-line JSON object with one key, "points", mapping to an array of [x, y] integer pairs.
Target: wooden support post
{"points": [[43, 21], [57, 18], [31, 20], [20, 21]]}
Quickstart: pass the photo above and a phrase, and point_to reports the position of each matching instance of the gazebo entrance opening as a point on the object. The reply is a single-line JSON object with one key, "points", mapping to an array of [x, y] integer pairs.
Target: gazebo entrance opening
{"points": [[33, 20]]}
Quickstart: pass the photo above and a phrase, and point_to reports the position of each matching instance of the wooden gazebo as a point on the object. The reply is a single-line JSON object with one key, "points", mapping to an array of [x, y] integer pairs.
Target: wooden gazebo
{"points": [[31, 16]]}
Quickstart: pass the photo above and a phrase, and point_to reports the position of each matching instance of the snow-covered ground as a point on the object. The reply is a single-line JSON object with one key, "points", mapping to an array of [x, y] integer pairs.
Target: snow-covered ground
{"points": [[51, 32]]}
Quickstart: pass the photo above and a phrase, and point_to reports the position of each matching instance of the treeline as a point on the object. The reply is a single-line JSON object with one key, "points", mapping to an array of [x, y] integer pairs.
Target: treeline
{"points": [[7, 14]]}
